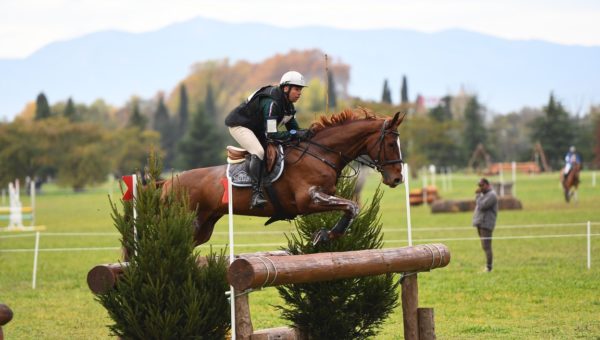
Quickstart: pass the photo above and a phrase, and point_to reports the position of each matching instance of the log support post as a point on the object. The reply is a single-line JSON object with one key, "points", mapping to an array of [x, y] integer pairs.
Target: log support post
{"points": [[418, 322], [6, 315]]}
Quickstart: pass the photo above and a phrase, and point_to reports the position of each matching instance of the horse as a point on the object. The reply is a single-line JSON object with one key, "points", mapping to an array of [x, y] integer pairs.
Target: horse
{"points": [[571, 182], [311, 170]]}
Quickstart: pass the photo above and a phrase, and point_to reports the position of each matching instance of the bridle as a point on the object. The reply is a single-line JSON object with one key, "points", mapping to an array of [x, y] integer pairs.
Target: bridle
{"points": [[376, 164]]}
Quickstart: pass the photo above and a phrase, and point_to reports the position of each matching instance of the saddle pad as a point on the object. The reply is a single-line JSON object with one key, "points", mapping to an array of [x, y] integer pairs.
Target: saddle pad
{"points": [[238, 172]]}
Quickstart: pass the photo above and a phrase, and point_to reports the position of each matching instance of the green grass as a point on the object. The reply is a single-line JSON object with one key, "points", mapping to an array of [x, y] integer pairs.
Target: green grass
{"points": [[540, 287]]}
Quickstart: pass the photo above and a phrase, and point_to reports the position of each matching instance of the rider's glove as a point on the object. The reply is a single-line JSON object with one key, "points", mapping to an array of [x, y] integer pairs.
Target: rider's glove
{"points": [[300, 134]]}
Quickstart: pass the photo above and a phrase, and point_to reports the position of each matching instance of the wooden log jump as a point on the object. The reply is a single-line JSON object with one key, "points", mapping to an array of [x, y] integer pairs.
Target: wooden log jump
{"points": [[263, 271], [258, 270]]}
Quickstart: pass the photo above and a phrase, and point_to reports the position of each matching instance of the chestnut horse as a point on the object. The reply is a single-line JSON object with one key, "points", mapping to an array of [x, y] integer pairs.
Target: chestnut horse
{"points": [[571, 182], [312, 169]]}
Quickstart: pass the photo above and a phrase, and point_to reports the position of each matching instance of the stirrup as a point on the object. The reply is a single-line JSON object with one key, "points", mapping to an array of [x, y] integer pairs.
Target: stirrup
{"points": [[258, 200]]}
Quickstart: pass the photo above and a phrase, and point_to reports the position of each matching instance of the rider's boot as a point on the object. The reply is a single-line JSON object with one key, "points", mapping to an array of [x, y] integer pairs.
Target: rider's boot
{"points": [[255, 170]]}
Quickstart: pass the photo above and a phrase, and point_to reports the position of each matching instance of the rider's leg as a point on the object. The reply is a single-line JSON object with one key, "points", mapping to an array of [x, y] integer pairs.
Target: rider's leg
{"points": [[255, 170], [247, 140]]}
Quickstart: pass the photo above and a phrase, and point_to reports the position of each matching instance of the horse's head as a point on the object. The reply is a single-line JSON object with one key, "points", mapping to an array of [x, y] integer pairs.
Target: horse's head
{"points": [[384, 150]]}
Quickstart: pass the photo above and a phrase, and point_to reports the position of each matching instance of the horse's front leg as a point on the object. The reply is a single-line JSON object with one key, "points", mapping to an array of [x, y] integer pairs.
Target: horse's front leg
{"points": [[325, 202]]}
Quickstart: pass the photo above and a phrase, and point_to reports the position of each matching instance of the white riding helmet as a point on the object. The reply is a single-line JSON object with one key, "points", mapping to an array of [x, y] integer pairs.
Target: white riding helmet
{"points": [[292, 78], [572, 149]]}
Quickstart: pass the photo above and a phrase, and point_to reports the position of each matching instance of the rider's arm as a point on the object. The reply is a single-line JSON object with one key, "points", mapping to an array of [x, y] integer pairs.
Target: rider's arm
{"points": [[271, 111], [292, 124]]}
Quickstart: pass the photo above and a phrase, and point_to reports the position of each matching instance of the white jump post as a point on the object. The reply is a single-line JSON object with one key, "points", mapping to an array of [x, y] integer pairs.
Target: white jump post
{"points": [[514, 178], [407, 189], [35, 259], [589, 245], [232, 296]]}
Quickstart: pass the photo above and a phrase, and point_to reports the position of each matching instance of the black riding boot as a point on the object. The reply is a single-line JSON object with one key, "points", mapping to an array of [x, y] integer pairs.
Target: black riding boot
{"points": [[255, 170]]}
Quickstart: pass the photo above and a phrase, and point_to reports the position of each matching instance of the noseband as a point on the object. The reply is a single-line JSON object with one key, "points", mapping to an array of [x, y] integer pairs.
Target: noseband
{"points": [[376, 163]]}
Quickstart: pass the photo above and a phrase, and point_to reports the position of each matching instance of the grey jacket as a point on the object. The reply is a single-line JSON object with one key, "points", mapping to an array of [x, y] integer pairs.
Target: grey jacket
{"points": [[486, 210]]}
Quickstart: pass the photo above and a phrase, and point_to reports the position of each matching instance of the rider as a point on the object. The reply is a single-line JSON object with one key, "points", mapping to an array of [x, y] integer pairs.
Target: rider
{"points": [[258, 118], [571, 158]]}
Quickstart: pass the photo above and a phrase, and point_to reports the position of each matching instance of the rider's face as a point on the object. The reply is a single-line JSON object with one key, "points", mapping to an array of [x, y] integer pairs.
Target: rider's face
{"points": [[294, 93]]}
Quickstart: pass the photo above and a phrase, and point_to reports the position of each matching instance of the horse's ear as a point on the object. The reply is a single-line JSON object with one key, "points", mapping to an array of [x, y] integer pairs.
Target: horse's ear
{"points": [[396, 121]]}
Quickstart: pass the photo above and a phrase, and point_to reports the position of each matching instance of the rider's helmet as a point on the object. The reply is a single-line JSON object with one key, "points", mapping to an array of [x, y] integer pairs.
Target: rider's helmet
{"points": [[292, 78], [572, 148]]}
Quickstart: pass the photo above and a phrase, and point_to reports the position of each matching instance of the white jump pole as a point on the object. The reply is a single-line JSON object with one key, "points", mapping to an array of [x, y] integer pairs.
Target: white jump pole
{"points": [[134, 188], [501, 180], [424, 193], [231, 251], [406, 187], [32, 196], [589, 245], [593, 180], [514, 178], [35, 258], [449, 178]]}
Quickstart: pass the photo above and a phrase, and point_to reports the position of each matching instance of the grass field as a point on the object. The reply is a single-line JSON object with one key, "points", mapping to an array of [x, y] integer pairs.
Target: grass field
{"points": [[540, 288]]}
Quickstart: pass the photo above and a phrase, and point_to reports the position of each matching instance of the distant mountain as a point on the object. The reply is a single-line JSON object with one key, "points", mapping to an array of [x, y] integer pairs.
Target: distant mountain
{"points": [[505, 74]]}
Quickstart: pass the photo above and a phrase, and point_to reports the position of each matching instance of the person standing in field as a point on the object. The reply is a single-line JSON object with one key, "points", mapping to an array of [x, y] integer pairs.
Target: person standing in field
{"points": [[484, 218]]}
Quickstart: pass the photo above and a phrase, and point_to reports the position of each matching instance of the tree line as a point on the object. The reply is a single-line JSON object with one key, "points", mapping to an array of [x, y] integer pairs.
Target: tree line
{"points": [[79, 145]]}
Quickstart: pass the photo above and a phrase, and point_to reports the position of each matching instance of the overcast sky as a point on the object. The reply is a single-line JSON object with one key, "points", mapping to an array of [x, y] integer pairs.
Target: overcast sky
{"points": [[27, 25]]}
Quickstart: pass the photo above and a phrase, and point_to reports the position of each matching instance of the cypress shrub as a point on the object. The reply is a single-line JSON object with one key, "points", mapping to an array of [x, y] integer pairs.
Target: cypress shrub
{"points": [[163, 293], [347, 308]]}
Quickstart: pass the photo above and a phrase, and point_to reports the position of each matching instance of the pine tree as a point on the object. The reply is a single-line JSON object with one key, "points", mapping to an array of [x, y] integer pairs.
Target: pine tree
{"points": [[210, 106], [554, 131], [404, 91], [183, 113], [70, 111], [42, 108], [162, 123], [163, 293], [341, 309], [386, 96], [203, 145], [474, 130], [136, 119], [331, 90]]}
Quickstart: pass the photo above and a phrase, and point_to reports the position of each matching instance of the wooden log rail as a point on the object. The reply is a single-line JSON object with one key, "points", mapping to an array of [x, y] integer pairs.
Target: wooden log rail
{"points": [[257, 270], [263, 271]]}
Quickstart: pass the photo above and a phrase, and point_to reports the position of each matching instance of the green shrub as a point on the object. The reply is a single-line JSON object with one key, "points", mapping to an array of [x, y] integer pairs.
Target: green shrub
{"points": [[163, 293], [342, 309]]}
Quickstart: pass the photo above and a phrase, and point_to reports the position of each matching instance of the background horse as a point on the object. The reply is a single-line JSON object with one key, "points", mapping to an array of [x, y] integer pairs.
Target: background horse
{"points": [[312, 169], [571, 182]]}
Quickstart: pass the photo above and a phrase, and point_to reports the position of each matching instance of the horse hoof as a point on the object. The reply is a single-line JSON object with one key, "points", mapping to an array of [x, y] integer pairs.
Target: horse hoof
{"points": [[320, 236]]}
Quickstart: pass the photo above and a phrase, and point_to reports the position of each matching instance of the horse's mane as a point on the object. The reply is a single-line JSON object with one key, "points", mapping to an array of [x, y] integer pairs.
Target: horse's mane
{"points": [[346, 116]]}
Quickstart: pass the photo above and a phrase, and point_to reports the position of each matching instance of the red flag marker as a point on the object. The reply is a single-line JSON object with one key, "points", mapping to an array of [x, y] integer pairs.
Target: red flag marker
{"points": [[225, 198], [128, 195]]}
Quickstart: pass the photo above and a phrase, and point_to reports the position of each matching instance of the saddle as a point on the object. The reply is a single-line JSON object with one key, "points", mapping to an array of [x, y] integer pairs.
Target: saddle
{"points": [[238, 171]]}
